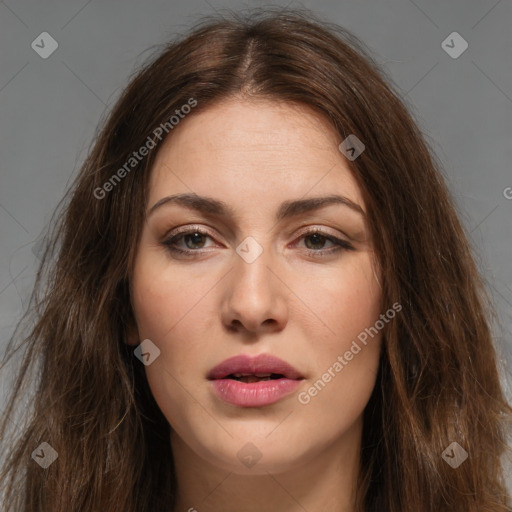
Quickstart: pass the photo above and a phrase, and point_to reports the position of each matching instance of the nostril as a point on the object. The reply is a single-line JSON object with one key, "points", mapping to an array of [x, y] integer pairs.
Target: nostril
{"points": [[235, 325]]}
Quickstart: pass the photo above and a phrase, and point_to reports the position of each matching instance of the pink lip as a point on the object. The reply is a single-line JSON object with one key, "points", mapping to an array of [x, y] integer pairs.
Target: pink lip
{"points": [[255, 394]]}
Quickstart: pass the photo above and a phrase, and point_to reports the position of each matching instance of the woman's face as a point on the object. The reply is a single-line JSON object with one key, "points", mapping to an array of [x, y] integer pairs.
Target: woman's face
{"points": [[261, 274]]}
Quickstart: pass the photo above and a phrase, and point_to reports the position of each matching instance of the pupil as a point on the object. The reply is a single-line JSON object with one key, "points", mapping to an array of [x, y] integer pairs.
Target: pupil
{"points": [[195, 237], [319, 239]]}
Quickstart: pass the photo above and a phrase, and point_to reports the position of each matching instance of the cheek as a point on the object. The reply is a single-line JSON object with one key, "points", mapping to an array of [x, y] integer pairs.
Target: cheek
{"points": [[345, 303], [164, 299], [347, 357], [170, 311]]}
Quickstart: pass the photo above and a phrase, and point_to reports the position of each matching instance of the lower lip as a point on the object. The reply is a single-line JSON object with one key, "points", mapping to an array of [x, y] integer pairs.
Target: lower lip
{"points": [[254, 394]]}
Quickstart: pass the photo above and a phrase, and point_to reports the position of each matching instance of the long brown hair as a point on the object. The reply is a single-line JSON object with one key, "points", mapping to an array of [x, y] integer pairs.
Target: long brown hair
{"points": [[438, 381]]}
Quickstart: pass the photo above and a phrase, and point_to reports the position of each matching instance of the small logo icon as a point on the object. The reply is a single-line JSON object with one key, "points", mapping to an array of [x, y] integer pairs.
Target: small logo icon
{"points": [[147, 352], [351, 147], [44, 455], [454, 455], [454, 45], [249, 250], [44, 45], [249, 455]]}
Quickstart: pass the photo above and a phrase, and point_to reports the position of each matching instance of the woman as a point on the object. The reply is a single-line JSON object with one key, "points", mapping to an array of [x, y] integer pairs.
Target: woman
{"points": [[263, 298]]}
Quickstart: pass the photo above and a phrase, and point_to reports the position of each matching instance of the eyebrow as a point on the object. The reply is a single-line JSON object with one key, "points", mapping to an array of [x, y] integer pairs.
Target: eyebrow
{"points": [[287, 209]]}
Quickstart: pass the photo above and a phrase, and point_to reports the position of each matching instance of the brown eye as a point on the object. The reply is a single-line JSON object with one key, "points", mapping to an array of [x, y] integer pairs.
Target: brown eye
{"points": [[315, 240], [194, 240]]}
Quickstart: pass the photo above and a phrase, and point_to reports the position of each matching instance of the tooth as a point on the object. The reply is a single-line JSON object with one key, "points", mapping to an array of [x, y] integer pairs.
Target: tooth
{"points": [[263, 374]]}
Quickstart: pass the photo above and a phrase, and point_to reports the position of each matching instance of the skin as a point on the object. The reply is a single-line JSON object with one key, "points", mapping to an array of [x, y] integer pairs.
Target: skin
{"points": [[200, 310]]}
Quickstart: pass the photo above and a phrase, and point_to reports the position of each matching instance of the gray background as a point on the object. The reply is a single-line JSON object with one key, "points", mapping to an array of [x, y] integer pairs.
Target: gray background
{"points": [[49, 109]]}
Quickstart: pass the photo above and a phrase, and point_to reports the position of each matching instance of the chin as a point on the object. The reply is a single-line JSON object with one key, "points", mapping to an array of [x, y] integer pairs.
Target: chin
{"points": [[254, 458], [250, 450]]}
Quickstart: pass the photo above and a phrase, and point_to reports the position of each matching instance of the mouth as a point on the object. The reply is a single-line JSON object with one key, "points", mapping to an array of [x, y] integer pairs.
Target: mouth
{"points": [[247, 381], [260, 367]]}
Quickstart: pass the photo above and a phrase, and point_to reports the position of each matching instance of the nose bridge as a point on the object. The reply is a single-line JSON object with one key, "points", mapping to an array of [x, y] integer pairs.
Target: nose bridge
{"points": [[252, 268]]}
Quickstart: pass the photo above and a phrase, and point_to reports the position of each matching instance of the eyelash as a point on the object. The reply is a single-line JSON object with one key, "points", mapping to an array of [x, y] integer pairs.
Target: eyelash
{"points": [[340, 245]]}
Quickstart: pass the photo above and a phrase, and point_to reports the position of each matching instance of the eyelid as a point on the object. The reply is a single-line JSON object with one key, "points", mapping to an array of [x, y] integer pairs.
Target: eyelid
{"points": [[188, 229], [319, 229]]}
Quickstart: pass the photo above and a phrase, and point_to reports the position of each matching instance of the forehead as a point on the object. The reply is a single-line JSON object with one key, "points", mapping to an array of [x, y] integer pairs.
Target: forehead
{"points": [[253, 150]]}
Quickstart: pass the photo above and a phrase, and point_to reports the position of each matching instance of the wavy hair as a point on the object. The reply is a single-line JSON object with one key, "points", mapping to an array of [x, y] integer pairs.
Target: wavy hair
{"points": [[438, 378]]}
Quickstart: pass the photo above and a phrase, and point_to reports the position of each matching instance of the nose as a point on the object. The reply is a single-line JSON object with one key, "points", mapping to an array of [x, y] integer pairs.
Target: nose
{"points": [[255, 296]]}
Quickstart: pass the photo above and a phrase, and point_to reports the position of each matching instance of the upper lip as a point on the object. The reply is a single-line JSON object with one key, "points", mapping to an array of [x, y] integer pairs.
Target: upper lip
{"points": [[252, 365]]}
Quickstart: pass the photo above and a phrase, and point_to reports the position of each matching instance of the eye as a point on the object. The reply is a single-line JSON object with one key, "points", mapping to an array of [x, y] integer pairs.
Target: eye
{"points": [[194, 240], [315, 240]]}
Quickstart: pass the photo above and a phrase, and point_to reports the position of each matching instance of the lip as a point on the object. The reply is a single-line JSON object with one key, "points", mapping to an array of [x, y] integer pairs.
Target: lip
{"points": [[254, 394], [262, 363]]}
